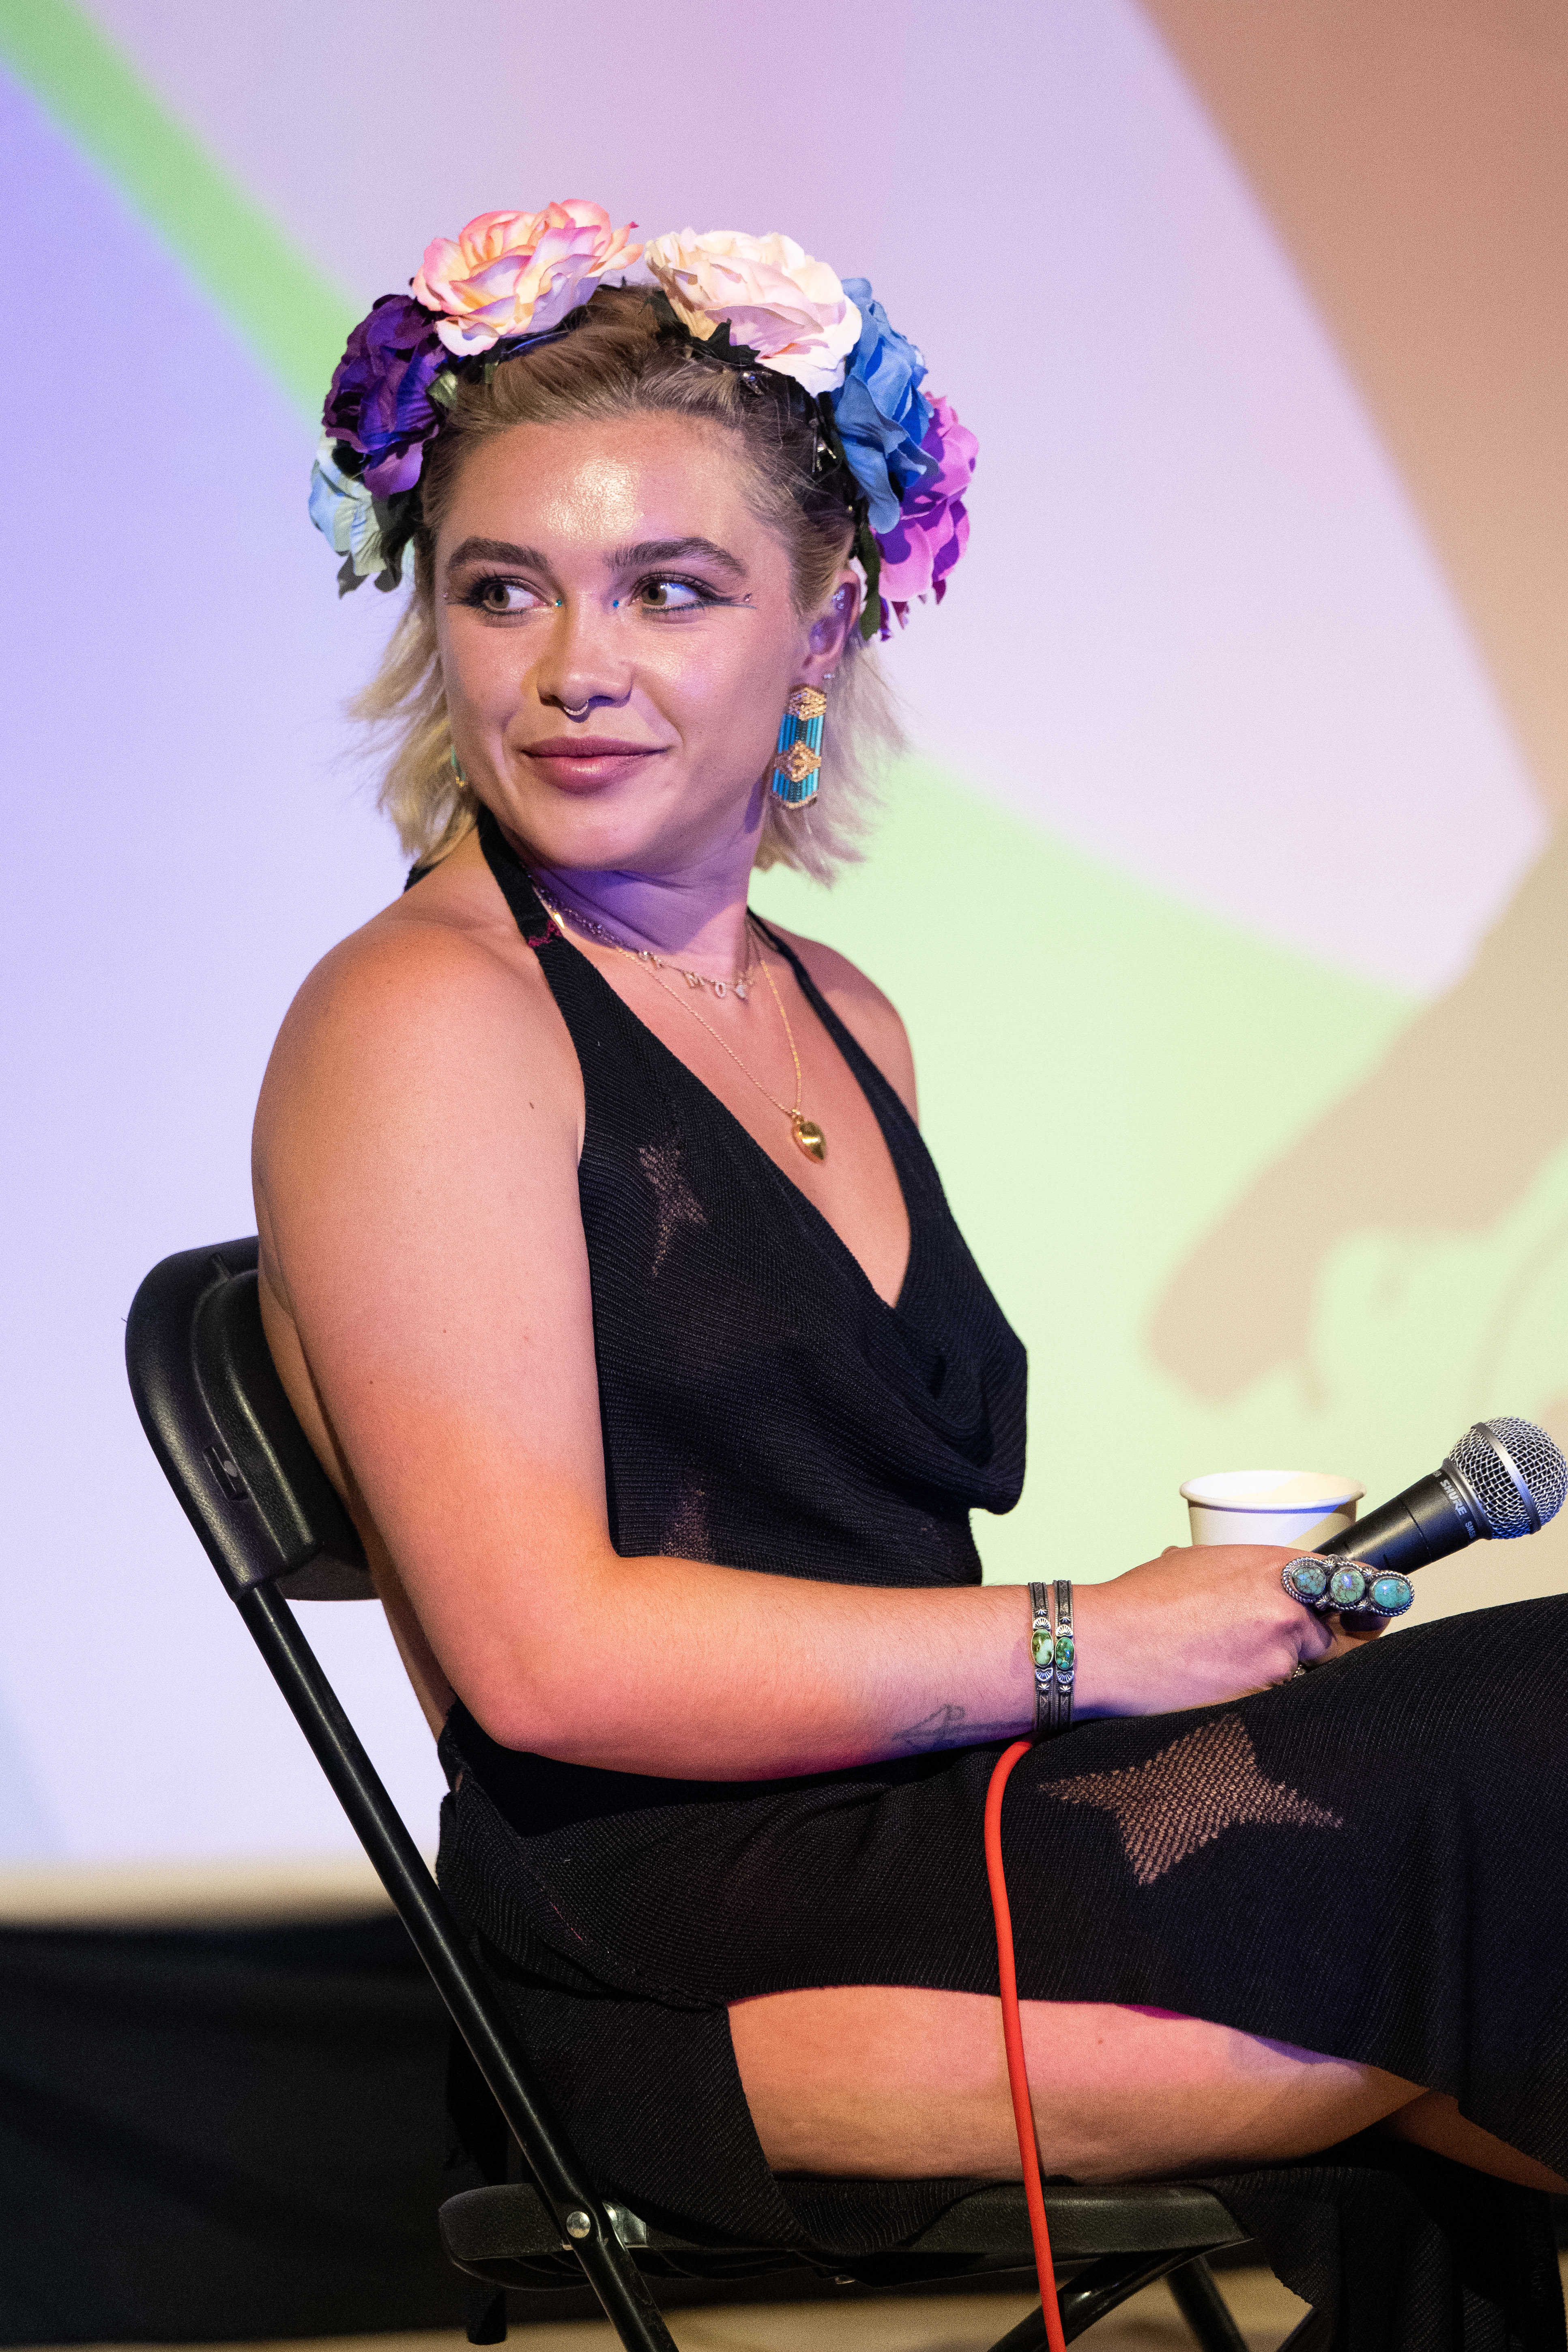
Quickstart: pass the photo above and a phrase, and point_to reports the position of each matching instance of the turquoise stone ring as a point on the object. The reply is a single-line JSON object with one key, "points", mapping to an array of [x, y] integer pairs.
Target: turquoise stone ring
{"points": [[1306, 1580], [1323, 1586]]}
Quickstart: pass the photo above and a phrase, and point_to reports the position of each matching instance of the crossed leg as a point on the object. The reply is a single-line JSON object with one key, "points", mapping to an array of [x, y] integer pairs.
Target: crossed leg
{"points": [[897, 2082]]}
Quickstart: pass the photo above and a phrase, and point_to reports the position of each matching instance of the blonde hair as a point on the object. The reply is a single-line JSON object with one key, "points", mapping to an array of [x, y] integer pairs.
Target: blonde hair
{"points": [[616, 364]]}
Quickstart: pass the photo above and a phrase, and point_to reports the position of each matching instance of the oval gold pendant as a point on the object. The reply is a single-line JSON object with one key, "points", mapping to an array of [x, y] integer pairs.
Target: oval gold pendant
{"points": [[809, 1135]]}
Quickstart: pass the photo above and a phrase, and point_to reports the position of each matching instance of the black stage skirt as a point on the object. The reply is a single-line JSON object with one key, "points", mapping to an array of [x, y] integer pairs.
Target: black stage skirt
{"points": [[1367, 1861]]}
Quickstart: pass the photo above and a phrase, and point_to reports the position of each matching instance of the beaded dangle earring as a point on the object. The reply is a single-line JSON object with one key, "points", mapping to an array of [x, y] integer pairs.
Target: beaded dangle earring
{"points": [[799, 754]]}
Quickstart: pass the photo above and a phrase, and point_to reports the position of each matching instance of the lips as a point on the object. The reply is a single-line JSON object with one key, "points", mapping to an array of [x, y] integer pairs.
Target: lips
{"points": [[588, 747]]}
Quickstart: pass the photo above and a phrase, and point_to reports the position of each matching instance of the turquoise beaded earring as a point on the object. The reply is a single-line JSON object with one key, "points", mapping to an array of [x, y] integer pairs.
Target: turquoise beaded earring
{"points": [[799, 754]]}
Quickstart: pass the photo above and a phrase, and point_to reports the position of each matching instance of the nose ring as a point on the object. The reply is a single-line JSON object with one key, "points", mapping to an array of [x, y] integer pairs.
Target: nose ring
{"points": [[582, 710]]}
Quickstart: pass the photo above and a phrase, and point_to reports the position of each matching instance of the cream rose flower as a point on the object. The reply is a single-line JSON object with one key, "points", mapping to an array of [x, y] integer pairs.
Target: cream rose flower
{"points": [[784, 306], [518, 273]]}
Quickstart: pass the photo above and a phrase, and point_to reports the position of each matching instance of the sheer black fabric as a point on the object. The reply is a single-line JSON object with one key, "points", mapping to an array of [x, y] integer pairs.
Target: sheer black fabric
{"points": [[1362, 1863]]}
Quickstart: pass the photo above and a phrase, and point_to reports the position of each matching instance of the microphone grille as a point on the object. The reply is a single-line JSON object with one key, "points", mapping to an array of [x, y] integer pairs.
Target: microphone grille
{"points": [[1483, 1456]]}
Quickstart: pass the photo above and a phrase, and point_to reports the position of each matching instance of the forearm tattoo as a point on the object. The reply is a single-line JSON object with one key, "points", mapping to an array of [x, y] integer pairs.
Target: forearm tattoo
{"points": [[950, 1726]]}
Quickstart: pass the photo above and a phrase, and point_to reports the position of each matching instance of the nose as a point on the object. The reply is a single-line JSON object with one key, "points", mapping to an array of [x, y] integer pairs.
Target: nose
{"points": [[583, 666]]}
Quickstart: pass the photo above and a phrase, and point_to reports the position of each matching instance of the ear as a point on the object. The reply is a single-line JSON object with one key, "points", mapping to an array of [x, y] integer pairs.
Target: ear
{"points": [[832, 629]]}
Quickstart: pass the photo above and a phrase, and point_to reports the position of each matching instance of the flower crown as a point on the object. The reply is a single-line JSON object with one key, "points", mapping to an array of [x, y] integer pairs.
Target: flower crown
{"points": [[512, 280]]}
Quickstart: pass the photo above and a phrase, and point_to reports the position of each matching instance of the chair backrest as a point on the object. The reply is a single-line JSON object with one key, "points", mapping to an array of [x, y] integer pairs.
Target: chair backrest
{"points": [[271, 1521], [229, 1439]]}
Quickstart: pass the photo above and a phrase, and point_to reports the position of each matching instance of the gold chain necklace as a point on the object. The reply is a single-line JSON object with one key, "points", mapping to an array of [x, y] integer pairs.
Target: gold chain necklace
{"points": [[807, 1132], [740, 986]]}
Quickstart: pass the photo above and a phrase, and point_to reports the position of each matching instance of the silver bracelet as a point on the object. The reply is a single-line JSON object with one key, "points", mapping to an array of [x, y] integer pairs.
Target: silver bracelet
{"points": [[1066, 1654], [1042, 1651], [1051, 1649]]}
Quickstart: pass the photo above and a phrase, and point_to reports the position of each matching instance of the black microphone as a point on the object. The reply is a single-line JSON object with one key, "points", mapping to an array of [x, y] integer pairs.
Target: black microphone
{"points": [[1504, 1479]]}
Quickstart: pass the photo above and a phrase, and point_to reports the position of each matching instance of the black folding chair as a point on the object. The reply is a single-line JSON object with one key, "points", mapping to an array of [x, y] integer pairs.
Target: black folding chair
{"points": [[217, 1419]]}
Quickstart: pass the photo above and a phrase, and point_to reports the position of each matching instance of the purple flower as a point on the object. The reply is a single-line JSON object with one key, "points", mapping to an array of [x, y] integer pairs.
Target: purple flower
{"points": [[933, 529], [380, 398]]}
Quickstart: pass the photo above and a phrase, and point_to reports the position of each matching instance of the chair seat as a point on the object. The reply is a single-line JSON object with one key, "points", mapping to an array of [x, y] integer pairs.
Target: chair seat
{"points": [[506, 2235]]}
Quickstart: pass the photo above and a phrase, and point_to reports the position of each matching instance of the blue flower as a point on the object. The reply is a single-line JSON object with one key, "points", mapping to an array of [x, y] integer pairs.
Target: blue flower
{"points": [[343, 512], [881, 414]]}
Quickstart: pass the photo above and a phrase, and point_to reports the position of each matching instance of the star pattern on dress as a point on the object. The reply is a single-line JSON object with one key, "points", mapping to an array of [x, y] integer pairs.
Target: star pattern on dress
{"points": [[688, 1535], [677, 1205], [1189, 1794]]}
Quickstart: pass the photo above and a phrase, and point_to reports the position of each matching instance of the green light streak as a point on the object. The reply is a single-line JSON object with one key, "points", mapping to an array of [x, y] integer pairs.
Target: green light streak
{"points": [[1104, 1071], [293, 321]]}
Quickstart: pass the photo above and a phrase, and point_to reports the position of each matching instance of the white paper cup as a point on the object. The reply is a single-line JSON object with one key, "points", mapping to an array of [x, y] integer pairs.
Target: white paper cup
{"points": [[1300, 1507]]}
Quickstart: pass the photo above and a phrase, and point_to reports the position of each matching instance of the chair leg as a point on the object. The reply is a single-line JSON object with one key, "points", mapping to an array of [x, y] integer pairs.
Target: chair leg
{"points": [[486, 2315], [1205, 2309], [1100, 2288], [1029, 2335], [1105, 2286], [610, 2269], [1309, 2335]]}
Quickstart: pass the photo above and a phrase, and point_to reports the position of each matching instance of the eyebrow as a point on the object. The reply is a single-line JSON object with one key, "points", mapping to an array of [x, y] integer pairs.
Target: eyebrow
{"points": [[497, 550], [623, 559], [672, 551]]}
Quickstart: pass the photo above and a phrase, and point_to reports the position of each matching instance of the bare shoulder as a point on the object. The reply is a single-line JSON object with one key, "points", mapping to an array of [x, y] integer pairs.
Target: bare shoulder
{"points": [[424, 1040], [444, 965], [417, 963], [871, 1018]]}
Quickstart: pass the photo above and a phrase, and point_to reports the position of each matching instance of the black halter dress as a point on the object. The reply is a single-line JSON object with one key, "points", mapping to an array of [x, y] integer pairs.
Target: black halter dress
{"points": [[1368, 1862]]}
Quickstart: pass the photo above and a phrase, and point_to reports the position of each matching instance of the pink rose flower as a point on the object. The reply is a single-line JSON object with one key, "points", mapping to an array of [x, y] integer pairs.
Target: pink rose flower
{"points": [[788, 309], [933, 529], [518, 273]]}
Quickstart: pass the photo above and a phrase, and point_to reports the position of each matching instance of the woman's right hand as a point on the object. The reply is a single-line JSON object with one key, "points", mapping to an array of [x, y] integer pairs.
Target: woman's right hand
{"points": [[1198, 1624]]}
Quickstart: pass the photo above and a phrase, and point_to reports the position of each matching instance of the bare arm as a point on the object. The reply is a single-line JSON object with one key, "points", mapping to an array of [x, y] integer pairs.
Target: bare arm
{"points": [[417, 1154]]}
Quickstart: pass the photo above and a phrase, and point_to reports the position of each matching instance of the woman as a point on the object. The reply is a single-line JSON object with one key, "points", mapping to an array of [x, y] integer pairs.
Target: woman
{"points": [[604, 1265]]}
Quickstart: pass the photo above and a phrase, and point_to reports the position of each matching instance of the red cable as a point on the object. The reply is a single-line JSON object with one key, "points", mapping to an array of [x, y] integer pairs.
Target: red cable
{"points": [[1013, 2035]]}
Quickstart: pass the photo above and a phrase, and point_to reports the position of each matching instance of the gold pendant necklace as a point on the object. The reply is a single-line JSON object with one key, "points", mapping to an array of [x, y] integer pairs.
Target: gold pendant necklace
{"points": [[806, 1131]]}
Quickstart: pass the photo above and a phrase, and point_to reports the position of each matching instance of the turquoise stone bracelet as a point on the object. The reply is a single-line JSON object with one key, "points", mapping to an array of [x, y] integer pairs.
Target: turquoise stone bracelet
{"points": [[1053, 1652]]}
